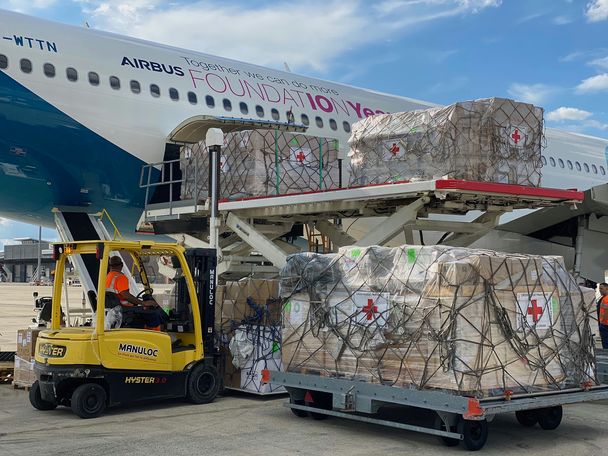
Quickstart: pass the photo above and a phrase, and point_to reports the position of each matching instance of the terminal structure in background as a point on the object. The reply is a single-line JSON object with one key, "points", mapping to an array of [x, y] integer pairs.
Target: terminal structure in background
{"points": [[19, 262]]}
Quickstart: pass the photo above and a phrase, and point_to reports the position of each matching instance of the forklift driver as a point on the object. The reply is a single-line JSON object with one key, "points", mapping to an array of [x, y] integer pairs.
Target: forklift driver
{"points": [[148, 309]]}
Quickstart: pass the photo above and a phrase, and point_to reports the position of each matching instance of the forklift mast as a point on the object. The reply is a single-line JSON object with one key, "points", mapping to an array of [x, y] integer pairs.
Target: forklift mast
{"points": [[203, 264]]}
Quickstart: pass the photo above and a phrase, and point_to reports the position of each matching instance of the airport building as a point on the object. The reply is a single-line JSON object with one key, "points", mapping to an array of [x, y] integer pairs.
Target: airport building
{"points": [[19, 262]]}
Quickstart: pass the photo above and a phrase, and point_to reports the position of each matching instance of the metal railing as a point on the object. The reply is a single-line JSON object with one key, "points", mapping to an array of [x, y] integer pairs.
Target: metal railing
{"points": [[155, 176]]}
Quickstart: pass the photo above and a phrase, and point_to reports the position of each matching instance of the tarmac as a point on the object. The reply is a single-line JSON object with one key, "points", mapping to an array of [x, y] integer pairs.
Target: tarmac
{"points": [[245, 425], [239, 424]]}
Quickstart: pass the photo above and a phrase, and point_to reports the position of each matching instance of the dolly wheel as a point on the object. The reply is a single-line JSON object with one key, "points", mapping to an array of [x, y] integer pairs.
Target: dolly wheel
{"points": [[320, 400], [296, 412], [527, 418], [203, 384], [37, 401], [474, 433], [440, 426], [550, 418], [89, 400]]}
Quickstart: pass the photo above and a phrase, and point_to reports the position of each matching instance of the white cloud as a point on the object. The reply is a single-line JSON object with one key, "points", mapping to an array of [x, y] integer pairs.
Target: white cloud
{"points": [[597, 83], [562, 20], [563, 113], [308, 34], [26, 6], [600, 63], [531, 93], [597, 10]]}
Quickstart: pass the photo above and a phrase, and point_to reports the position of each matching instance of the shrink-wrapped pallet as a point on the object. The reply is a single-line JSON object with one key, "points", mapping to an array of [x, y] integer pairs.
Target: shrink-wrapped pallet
{"points": [[468, 321], [263, 163], [489, 140], [247, 323]]}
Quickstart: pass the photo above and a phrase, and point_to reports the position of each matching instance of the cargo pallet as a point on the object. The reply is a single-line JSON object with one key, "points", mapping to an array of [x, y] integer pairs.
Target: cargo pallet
{"points": [[458, 418]]}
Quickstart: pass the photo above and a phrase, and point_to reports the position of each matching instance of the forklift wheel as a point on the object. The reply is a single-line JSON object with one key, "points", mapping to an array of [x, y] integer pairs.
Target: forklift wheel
{"points": [[203, 384], [89, 400], [37, 401]]}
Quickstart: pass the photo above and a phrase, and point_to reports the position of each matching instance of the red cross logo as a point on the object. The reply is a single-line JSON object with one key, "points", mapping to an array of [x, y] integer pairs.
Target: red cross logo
{"points": [[369, 309], [516, 136], [394, 149], [535, 311], [301, 157]]}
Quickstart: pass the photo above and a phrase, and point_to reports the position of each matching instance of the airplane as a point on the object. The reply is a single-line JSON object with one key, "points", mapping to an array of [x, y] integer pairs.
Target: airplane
{"points": [[82, 110]]}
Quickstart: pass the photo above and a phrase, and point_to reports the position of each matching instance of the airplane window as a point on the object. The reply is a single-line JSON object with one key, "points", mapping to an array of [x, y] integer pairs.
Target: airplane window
{"points": [[602, 171], [305, 120], [275, 114], [227, 104], [26, 65], [594, 169], [346, 126], [210, 101], [570, 165], [544, 160], [3, 62], [319, 122], [71, 74], [155, 90], [49, 70], [259, 111], [135, 86], [586, 166], [173, 94], [244, 108], [332, 124], [192, 98], [93, 78], [114, 82], [552, 161], [578, 166], [561, 163]]}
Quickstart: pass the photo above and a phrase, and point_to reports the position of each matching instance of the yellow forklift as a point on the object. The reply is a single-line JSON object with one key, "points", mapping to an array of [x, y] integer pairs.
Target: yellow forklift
{"points": [[115, 360]]}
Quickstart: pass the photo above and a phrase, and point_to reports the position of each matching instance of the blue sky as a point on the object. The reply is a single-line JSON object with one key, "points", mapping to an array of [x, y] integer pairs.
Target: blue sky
{"points": [[553, 53]]}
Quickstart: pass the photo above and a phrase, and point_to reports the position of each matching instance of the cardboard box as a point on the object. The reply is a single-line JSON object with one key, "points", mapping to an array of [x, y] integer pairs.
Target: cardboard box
{"points": [[266, 354], [24, 372], [488, 140], [26, 343]]}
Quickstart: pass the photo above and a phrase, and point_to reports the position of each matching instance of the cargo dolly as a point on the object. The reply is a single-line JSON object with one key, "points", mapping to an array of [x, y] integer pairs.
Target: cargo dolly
{"points": [[458, 418]]}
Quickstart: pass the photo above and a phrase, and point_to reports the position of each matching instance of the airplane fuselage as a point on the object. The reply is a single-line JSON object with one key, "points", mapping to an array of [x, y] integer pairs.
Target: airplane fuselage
{"points": [[82, 110]]}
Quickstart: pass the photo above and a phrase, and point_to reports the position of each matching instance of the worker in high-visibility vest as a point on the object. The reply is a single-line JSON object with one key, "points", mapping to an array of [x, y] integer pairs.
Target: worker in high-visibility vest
{"points": [[117, 282], [602, 313]]}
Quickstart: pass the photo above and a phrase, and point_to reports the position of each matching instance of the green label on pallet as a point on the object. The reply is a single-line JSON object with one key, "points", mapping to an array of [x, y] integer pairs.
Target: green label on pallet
{"points": [[411, 255], [355, 253]]}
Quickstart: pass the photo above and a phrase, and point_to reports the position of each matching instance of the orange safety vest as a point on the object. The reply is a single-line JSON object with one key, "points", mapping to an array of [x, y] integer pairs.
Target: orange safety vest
{"points": [[111, 285], [604, 311]]}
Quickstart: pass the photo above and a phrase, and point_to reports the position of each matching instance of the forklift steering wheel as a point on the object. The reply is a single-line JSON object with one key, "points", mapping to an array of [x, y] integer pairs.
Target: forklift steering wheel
{"points": [[145, 291]]}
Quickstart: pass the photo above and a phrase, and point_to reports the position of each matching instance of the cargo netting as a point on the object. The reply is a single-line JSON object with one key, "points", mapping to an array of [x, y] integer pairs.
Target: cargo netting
{"points": [[472, 322], [263, 163], [489, 140], [248, 326]]}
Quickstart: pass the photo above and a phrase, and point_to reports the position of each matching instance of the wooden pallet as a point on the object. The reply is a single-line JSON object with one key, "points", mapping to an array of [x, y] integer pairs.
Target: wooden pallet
{"points": [[21, 386]]}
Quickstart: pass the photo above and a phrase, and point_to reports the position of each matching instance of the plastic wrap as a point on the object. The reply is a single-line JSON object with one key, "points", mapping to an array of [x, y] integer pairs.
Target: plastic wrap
{"points": [[248, 316], [263, 163], [463, 320], [489, 140]]}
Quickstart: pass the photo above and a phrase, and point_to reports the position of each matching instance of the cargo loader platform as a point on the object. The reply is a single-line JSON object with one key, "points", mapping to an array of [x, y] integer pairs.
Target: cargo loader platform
{"points": [[457, 418], [258, 223]]}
